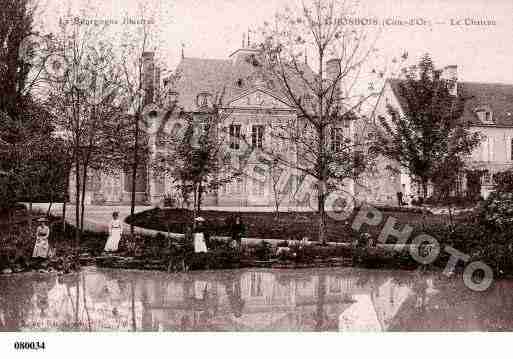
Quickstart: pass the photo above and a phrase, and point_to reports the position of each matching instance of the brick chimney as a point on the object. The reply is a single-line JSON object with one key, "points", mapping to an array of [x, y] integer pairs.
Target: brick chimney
{"points": [[148, 76], [332, 75], [450, 73]]}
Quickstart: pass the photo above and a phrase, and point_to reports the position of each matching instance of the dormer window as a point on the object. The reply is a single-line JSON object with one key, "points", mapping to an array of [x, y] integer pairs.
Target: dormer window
{"points": [[484, 114], [204, 100]]}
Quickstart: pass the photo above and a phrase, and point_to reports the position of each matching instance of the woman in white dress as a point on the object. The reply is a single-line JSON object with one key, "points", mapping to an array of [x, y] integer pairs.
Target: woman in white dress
{"points": [[200, 243], [115, 231], [42, 246]]}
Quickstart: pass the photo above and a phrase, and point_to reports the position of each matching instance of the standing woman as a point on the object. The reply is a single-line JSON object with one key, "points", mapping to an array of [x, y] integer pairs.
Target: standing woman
{"points": [[42, 247], [200, 237], [115, 231], [238, 230]]}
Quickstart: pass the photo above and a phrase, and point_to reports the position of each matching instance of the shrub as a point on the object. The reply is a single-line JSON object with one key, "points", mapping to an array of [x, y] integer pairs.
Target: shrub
{"points": [[497, 211], [406, 209], [455, 201], [263, 251], [217, 259], [503, 181]]}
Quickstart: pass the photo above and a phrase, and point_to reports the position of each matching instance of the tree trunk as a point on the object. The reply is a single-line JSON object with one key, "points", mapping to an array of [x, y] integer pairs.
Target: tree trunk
{"points": [[322, 216], [77, 206], [451, 218], [30, 218], [49, 209], [82, 201], [276, 191], [195, 202], [321, 156], [200, 198], [9, 221], [64, 203], [135, 164], [64, 216]]}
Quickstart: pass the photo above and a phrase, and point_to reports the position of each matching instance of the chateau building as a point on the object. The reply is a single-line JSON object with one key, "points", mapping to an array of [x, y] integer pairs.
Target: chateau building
{"points": [[253, 105]]}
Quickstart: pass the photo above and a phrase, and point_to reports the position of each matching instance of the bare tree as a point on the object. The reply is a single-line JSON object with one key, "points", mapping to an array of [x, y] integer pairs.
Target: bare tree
{"points": [[328, 100], [274, 170], [82, 88], [197, 158]]}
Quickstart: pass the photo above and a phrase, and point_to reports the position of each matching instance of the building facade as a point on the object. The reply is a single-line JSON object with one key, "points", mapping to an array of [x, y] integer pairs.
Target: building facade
{"points": [[488, 110], [251, 106]]}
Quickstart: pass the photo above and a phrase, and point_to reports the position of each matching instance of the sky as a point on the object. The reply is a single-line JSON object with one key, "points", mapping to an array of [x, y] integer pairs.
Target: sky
{"points": [[214, 29]]}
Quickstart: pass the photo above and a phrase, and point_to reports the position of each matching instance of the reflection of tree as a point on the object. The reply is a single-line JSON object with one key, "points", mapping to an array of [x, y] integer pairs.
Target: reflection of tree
{"points": [[147, 316], [233, 288], [185, 323], [15, 303], [41, 289], [70, 280], [404, 279], [201, 309], [320, 313], [256, 284], [420, 287], [132, 302], [85, 302]]}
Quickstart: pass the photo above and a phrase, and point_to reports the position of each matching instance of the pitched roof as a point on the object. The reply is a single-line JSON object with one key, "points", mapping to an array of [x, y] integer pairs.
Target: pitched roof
{"points": [[200, 75], [220, 77], [499, 97]]}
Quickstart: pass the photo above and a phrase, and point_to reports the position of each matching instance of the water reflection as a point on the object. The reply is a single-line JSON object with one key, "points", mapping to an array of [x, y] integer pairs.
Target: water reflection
{"points": [[250, 300]]}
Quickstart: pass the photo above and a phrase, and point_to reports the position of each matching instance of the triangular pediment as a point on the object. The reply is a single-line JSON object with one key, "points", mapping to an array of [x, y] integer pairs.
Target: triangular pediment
{"points": [[259, 98]]}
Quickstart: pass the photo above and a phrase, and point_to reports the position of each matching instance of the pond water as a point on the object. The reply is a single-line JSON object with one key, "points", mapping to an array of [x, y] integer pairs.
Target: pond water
{"points": [[342, 299]]}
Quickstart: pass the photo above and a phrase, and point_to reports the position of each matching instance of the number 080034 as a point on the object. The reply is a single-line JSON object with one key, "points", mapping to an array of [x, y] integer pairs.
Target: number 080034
{"points": [[29, 345]]}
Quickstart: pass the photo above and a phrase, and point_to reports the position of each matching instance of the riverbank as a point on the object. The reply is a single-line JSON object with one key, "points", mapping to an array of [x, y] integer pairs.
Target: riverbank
{"points": [[168, 251], [17, 239]]}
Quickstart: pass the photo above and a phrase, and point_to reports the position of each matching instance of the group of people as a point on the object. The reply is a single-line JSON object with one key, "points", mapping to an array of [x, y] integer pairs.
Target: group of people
{"points": [[199, 236], [42, 248], [403, 200]]}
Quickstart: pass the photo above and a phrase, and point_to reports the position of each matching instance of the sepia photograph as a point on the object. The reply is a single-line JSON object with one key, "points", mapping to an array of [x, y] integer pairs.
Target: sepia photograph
{"points": [[281, 166]]}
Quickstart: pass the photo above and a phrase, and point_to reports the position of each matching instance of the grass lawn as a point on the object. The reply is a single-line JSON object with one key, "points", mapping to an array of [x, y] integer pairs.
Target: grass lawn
{"points": [[266, 225], [17, 240]]}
